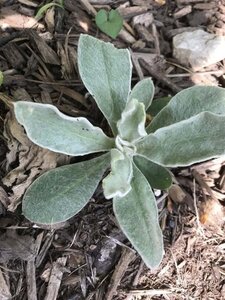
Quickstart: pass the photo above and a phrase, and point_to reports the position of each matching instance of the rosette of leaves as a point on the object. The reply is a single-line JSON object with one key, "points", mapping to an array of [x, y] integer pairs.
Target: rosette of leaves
{"points": [[189, 129]]}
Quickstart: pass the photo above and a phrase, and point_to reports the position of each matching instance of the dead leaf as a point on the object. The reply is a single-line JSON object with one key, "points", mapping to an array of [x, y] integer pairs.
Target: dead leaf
{"points": [[30, 159], [212, 213], [12, 19], [14, 246]]}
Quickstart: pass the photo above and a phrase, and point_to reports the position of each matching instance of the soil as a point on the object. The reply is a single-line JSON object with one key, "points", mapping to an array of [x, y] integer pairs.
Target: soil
{"points": [[88, 257]]}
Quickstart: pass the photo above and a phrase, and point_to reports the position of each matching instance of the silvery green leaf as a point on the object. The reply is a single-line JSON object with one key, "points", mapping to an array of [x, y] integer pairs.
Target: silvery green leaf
{"points": [[137, 216], [59, 194], [157, 105], [189, 103], [47, 127], [190, 141], [143, 91], [157, 176], [106, 73], [131, 126], [117, 183]]}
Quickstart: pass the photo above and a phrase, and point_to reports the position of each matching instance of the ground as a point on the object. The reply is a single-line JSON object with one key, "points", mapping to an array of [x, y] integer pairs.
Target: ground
{"points": [[88, 257]]}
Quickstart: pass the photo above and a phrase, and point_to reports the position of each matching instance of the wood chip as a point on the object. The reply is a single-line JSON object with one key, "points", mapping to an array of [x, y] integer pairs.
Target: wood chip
{"points": [[160, 76], [132, 11], [126, 258], [204, 6], [31, 281], [48, 54], [29, 3], [13, 56], [144, 19], [88, 7], [144, 33], [183, 12], [55, 278]]}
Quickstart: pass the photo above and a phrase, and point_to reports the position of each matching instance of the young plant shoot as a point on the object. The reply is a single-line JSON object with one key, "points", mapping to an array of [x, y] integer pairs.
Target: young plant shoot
{"points": [[189, 129]]}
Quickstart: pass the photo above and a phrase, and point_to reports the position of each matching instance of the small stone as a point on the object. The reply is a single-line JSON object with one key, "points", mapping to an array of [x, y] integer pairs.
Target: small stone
{"points": [[198, 48]]}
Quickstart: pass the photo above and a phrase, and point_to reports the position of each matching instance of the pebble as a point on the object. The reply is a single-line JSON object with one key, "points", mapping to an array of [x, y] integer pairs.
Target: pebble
{"points": [[198, 48]]}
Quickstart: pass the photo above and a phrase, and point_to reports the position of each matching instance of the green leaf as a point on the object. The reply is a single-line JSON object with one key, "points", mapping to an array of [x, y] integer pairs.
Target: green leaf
{"points": [[109, 22], [47, 127], [157, 105], [131, 126], [106, 73], [59, 194], [157, 176], [143, 91], [1, 78], [189, 103], [117, 183], [44, 8], [137, 215], [190, 141]]}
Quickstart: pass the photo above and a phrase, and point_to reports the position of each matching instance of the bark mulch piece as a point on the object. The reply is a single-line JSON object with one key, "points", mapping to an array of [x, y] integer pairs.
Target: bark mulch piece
{"points": [[88, 257]]}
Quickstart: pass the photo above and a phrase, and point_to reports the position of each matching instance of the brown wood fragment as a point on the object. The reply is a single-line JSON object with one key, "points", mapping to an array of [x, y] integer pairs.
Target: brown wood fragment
{"points": [[48, 54], [126, 258], [13, 56], [29, 3], [137, 65], [136, 279], [144, 33], [159, 76], [43, 252], [139, 293], [126, 36], [145, 19], [156, 38], [88, 7], [72, 94], [132, 11], [183, 12], [55, 278], [183, 2], [31, 281], [205, 6]]}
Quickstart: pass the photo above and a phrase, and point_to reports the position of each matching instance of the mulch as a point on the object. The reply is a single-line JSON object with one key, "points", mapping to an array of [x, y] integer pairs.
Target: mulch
{"points": [[88, 257]]}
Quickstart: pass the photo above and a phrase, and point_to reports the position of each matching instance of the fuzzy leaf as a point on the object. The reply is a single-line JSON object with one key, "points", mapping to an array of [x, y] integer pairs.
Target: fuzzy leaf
{"points": [[59, 194], [131, 126], [157, 105], [109, 22], [137, 215], [157, 176], [190, 141], [189, 103], [143, 91], [117, 183], [47, 127], [106, 73]]}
